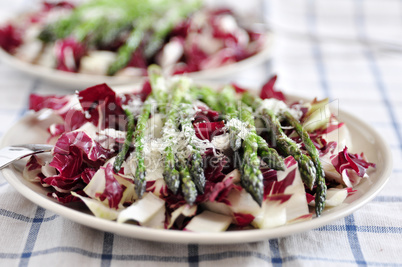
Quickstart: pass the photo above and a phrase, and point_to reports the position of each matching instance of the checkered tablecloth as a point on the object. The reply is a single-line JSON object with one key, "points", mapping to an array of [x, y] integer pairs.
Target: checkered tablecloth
{"points": [[349, 50]]}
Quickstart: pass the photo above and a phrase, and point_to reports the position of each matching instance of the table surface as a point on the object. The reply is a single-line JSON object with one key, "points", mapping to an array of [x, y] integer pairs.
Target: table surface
{"points": [[347, 50]]}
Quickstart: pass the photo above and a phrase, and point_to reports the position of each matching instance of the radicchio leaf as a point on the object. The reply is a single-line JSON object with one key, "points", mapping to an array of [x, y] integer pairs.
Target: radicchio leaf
{"points": [[138, 59], [113, 189], [207, 130], [68, 54], [73, 154], [10, 38], [158, 187], [215, 20], [330, 128], [102, 105], [173, 201], [345, 160], [64, 184], [73, 120], [146, 90], [204, 114], [277, 189], [309, 197], [63, 106], [268, 91], [33, 170], [214, 167], [269, 175], [194, 59], [66, 197], [92, 150], [47, 6], [181, 29], [222, 57], [243, 219], [87, 175], [320, 143], [56, 103], [238, 89], [55, 130], [69, 165], [219, 191]]}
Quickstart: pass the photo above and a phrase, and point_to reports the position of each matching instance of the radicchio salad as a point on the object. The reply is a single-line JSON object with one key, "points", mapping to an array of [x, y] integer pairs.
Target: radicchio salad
{"points": [[177, 155], [122, 38]]}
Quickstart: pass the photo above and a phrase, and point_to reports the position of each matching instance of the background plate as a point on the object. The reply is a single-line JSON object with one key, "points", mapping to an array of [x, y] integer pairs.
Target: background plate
{"points": [[81, 80]]}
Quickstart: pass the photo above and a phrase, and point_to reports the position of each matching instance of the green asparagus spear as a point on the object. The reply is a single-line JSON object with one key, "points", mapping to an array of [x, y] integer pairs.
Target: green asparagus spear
{"points": [[80, 24], [153, 20], [207, 95], [165, 25], [140, 172], [162, 23], [170, 174], [312, 150], [285, 145], [125, 52], [187, 184], [251, 100], [159, 89], [85, 28], [196, 164], [289, 148], [227, 101], [269, 155], [251, 178], [60, 29], [197, 170], [191, 176], [107, 32], [139, 134], [127, 142]]}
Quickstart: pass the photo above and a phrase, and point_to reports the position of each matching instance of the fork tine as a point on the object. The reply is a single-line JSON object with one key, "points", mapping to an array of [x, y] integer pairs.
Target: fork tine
{"points": [[36, 147]]}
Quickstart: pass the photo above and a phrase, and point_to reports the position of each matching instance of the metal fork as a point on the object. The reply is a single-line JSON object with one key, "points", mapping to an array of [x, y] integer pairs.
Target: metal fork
{"points": [[13, 153]]}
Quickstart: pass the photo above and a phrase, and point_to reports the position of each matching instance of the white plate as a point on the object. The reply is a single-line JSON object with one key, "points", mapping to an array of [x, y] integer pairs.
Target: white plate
{"points": [[365, 139], [81, 80]]}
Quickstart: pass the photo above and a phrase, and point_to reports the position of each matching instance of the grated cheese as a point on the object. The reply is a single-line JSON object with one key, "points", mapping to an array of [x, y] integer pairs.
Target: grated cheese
{"points": [[243, 128], [278, 107]]}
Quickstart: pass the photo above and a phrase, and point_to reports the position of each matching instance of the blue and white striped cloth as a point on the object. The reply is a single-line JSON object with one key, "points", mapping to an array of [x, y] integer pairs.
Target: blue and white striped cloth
{"points": [[349, 50]]}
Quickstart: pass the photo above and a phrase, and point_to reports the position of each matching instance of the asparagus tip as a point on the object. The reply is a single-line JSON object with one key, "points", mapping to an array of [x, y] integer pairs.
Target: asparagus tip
{"points": [[140, 184]]}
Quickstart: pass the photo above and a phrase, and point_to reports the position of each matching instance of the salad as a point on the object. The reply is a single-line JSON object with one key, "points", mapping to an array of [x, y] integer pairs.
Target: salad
{"points": [[177, 155], [122, 38]]}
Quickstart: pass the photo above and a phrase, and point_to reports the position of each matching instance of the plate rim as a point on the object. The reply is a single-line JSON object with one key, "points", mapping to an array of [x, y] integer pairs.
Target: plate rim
{"points": [[229, 237]]}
